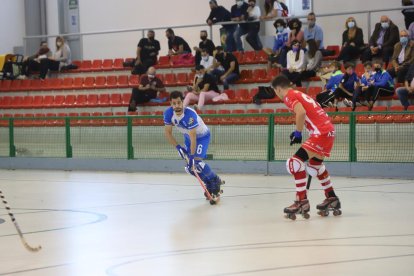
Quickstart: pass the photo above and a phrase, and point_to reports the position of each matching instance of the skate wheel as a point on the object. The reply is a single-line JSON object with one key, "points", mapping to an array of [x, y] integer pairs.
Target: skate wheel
{"points": [[306, 215], [212, 202], [290, 216], [337, 212]]}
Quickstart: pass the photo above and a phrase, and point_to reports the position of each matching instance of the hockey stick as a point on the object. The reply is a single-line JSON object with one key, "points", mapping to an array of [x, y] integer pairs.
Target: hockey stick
{"points": [[199, 180], [26, 245], [309, 182]]}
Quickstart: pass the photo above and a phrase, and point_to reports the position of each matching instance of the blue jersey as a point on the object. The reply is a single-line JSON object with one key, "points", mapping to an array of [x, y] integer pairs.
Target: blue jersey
{"points": [[383, 79], [335, 80], [187, 121], [365, 81], [348, 81], [280, 40]]}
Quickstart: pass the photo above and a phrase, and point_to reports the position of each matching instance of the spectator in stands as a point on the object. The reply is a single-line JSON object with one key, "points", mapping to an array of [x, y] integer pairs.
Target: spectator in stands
{"points": [[147, 53], [220, 14], [203, 90], [280, 44], [408, 13], [326, 98], [352, 41], [296, 33], [408, 89], [176, 44], [381, 85], [226, 67], [275, 8], [148, 89], [313, 60], [366, 79], [239, 14], [347, 86], [251, 29], [402, 57], [295, 63], [62, 57], [313, 31], [207, 61], [411, 31], [206, 44], [32, 63], [382, 41]]}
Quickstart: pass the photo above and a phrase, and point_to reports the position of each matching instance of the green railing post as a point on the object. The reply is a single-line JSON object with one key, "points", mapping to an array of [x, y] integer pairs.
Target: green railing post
{"points": [[129, 139], [352, 138], [271, 138], [69, 153], [12, 150]]}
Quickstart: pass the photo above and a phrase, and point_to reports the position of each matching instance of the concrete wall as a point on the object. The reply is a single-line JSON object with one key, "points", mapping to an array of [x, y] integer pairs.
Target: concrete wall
{"points": [[12, 25]]}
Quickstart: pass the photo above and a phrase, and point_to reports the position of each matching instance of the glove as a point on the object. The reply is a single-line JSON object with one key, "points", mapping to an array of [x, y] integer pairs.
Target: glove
{"points": [[296, 137], [190, 164], [181, 151]]}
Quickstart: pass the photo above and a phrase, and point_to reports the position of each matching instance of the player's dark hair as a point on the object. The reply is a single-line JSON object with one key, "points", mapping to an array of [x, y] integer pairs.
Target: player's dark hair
{"points": [[176, 95], [281, 81], [281, 22], [349, 65], [368, 63]]}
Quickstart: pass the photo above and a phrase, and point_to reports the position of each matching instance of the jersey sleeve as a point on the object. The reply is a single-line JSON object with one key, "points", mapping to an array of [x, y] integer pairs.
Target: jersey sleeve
{"points": [[168, 114]]}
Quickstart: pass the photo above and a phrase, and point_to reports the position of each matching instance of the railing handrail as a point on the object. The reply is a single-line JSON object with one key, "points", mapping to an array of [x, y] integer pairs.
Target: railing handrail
{"points": [[216, 24]]}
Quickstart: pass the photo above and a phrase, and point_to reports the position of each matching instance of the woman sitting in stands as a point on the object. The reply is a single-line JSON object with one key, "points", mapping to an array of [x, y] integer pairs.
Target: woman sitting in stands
{"points": [[295, 63], [62, 57], [352, 41], [313, 60]]}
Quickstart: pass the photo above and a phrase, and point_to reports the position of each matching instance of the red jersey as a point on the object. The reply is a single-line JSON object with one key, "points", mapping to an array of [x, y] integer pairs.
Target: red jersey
{"points": [[317, 122]]}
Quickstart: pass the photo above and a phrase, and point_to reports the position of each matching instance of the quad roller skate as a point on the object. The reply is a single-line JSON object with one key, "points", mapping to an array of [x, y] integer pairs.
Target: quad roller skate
{"points": [[329, 204], [215, 194], [298, 207]]}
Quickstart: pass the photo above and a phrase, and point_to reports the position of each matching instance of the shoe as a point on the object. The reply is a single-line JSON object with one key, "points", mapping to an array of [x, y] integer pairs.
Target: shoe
{"points": [[347, 102], [21, 77]]}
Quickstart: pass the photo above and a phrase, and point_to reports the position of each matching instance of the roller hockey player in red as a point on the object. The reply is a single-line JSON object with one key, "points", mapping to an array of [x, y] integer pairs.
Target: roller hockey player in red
{"points": [[308, 114]]}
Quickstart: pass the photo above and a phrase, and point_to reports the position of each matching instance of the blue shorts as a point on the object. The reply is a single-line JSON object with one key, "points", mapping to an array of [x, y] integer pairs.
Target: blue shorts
{"points": [[201, 148]]}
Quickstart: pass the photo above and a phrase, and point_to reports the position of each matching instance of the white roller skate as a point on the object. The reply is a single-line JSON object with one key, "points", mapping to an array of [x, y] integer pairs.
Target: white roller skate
{"points": [[298, 207], [329, 204]]}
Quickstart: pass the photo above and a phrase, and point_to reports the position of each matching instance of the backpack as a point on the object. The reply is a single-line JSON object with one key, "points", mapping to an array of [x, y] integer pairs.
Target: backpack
{"points": [[265, 92]]}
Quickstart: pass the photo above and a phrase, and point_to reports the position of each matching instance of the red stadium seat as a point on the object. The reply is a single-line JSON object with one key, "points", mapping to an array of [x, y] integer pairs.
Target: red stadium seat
{"points": [[107, 65], [111, 82], [86, 66], [5, 85], [37, 102], [334, 48], [118, 64], [260, 75], [81, 100], [27, 102], [100, 82], [48, 101], [182, 79], [249, 57], [242, 96], [163, 62], [89, 83], [96, 65], [126, 97], [16, 102], [313, 91], [116, 100], [67, 83], [133, 81], [92, 100], [69, 101], [123, 81], [103, 100], [77, 83], [261, 57], [169, 79]]}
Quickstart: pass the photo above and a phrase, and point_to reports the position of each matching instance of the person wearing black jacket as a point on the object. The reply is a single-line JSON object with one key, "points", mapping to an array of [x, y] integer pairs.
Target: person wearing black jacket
{"points": [[407, 89], [352, 41], [220, 14], [382, 41], [205, 43]]}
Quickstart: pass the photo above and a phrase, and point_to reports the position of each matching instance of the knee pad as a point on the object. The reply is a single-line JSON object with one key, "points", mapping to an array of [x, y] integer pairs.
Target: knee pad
{"points": [[294, 165], [315, 170]]}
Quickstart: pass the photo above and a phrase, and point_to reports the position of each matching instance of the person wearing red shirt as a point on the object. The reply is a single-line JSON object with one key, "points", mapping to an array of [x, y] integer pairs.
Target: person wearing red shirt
{"points": [[310, 115]]}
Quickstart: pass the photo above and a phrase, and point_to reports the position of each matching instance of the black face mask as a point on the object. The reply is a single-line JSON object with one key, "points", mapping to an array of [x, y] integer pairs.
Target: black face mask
{"points": [[377, 69], [203, 38], [220, 56]]}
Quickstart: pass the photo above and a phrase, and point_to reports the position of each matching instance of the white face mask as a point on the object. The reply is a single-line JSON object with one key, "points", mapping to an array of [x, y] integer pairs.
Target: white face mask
{"points": [[151, 76], [205, 58], [239, 3], [351, 24], [200, 76]]}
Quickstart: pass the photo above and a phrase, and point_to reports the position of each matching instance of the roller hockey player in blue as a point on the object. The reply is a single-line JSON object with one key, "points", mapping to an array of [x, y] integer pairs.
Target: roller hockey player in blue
{"points": [[196, 139]]}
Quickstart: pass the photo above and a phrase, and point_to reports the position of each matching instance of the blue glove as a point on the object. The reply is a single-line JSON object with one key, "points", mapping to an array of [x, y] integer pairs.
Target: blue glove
{"points": [[181, 151], [295, 137], [190, 164]]}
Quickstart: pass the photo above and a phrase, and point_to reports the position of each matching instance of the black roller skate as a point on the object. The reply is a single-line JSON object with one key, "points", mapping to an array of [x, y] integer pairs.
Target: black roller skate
{"points": [[329, 204], [214, 192], [298, 207]]}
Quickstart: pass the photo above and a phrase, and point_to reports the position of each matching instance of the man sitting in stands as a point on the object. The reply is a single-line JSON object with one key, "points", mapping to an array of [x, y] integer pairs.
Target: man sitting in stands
{"points": [[32, 63], [147, 52], [148, 89], [226, 67], [178, 47], [402, 57]]}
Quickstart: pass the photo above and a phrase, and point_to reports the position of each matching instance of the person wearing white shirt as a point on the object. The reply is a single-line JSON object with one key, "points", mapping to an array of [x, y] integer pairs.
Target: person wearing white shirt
{"points": [[207, 61], [295, 63]]}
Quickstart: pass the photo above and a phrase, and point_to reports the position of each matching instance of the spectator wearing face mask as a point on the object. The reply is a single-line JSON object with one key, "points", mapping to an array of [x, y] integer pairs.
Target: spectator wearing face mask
{"points": [[366, 79], [314, 31], [275, 8], [381, 85], [32, 63], [148, 89], [207, 61], [347, 86], [402, 57], [221, 14], [352, 41], [176, 44], [203, 90], [226, 67], [296, 33], [206, 44], [295, 63], [147, 53], [382, 41], [251, 29], [239, 14], [279, 45], [313, 61], [61, 58]]}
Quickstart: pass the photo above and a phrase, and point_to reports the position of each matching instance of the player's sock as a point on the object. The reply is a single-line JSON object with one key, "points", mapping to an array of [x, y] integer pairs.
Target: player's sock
{"points": [[209, 177], [323, 176], [296, 167]]}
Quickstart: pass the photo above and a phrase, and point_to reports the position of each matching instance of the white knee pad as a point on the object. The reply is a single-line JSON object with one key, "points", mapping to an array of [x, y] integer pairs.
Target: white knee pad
{"points": [[315, 170], [294, 165]]}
